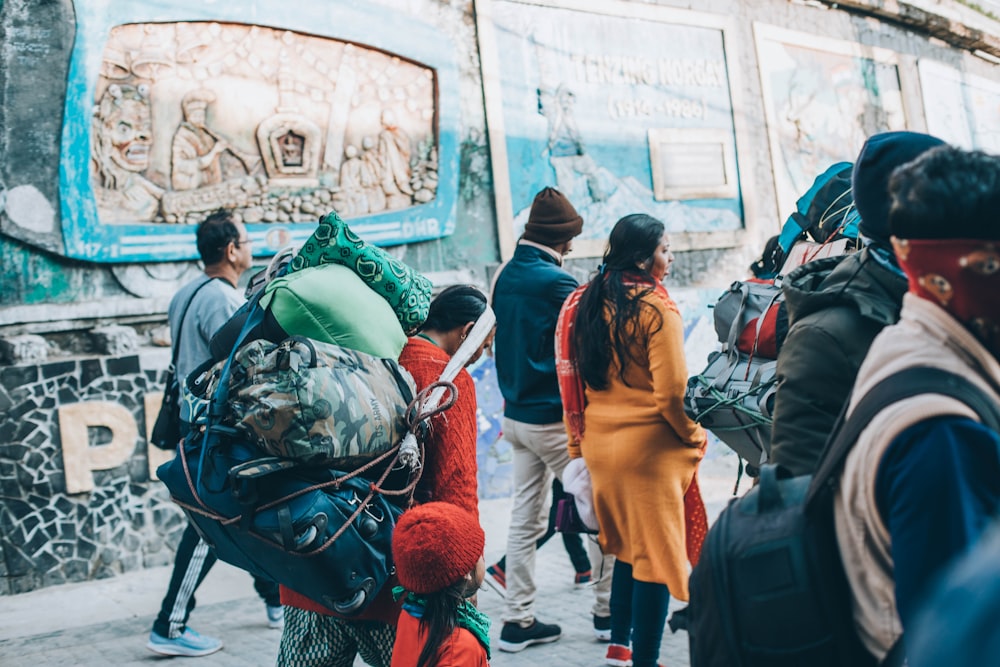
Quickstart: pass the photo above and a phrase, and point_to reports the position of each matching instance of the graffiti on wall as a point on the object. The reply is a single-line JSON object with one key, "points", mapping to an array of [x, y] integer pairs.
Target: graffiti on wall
{"points": [[961, 108], [822, 99], [281, 120], [620, 113]]}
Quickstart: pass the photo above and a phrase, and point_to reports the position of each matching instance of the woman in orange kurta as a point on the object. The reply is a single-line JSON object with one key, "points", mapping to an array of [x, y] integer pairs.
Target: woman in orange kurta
{"points": [[626, 342]]}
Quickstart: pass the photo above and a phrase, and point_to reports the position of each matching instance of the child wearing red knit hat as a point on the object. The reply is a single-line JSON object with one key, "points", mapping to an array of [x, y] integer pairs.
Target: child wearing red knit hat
{"points": [[438, 551]]}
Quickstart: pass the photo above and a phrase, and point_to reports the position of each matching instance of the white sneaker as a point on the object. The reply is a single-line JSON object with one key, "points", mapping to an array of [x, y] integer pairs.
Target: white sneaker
{"points": [[189, 644], [275, 617]]}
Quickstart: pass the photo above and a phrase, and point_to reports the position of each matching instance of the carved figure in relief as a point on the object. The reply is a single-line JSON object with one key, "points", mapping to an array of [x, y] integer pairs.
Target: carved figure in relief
{"points": [[196, 150], [394, 154], [352, 199], [566, 151], [371, 176], [291, 146], [120, 143]]}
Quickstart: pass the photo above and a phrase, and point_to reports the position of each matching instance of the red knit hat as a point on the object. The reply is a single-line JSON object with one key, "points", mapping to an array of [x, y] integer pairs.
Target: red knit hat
{"points": [[552, 219], [434, 545]]}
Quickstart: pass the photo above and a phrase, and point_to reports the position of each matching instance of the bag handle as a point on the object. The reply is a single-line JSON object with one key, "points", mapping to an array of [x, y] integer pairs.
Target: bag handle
{"points": [[897, 387]]}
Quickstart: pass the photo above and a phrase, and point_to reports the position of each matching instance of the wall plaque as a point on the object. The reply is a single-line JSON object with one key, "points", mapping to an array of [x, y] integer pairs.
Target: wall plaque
{"points": [[692, 164]]}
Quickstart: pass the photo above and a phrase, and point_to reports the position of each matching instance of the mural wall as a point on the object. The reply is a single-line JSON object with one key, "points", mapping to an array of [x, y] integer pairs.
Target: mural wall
{"points": [[823, 98], [622, 114], [961, 108], [280, 125], [114, 201]]}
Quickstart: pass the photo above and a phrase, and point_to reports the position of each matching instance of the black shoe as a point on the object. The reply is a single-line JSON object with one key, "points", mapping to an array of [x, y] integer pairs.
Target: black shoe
{"points": [[514, 638], [602, 628]]}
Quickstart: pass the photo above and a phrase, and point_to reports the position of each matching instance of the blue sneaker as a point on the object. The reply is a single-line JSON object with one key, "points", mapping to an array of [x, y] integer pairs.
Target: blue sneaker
{"points": [[275, 617], [189, 644]]}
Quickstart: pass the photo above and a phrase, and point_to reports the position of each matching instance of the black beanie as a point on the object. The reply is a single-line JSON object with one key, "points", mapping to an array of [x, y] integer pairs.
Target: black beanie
{"points": [[879, 157], [552, 219]]}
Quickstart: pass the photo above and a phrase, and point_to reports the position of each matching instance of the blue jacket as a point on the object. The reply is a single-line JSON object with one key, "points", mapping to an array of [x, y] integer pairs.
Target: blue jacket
{"points": [[527, 297]]}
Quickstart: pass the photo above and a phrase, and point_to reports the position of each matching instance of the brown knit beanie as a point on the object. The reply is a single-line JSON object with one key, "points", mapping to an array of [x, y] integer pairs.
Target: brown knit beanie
{"points": [[552, 220], [434, 545]]}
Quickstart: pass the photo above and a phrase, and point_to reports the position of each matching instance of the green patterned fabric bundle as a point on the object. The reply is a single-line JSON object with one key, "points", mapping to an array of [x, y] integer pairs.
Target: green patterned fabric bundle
{"points": [[408, 292]]}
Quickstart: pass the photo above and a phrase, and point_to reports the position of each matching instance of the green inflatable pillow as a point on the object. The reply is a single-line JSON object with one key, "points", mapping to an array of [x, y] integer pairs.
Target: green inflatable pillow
{"points": [[330, 303]]}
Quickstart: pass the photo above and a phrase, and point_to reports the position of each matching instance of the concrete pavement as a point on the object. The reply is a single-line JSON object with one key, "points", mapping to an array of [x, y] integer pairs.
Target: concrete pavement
{"points": [[107, 622]]}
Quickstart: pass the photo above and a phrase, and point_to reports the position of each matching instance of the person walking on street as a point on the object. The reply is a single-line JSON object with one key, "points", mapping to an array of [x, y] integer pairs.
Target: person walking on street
{"points": [[922, 483], [836, 307], [625, 415], [195, 313], [528, 293], [438, 552], [316, 637]]}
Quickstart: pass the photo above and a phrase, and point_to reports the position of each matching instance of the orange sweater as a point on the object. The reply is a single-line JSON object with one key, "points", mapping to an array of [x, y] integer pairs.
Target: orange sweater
{"points": [[461, 649], [449, 464]]}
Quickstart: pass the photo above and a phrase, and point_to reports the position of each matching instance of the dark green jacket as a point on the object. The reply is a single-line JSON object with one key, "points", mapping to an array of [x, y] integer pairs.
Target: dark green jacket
{"points": [[836, 307]]}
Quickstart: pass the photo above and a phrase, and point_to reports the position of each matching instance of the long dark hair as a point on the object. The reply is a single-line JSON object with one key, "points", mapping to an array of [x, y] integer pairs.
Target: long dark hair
{"points": [[440, 618], [633, 241], [455, 306]]}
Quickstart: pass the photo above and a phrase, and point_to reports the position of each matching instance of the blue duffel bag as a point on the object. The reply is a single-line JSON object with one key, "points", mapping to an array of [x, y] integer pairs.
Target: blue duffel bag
{"points": [[320, 532]]}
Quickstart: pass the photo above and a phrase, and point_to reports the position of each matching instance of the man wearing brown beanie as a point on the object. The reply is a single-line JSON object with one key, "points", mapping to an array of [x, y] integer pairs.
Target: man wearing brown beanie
{"points": [[528, 293]]}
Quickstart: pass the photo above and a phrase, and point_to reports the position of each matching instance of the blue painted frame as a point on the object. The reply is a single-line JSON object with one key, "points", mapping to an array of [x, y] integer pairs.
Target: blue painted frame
{"points": [[87, 238]]}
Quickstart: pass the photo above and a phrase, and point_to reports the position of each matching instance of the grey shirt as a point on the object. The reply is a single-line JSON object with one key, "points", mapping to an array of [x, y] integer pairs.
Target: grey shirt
{"points": [[211, 307]]}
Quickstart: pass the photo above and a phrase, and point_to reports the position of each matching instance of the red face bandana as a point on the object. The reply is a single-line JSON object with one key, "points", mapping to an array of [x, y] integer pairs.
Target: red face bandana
{"points": [[960, 275]]}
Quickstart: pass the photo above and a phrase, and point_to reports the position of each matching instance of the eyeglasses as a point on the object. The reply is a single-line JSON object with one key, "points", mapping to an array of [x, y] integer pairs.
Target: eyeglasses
{"points": [[243, 241]]}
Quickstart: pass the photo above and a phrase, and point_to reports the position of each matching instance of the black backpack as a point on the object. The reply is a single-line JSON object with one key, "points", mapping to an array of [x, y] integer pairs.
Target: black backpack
{"points": [[770, 589]]}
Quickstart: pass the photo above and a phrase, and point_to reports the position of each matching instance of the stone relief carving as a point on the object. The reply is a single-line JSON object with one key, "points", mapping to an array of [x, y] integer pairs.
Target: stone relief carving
{"points": [[282, 126], [122, 137]]}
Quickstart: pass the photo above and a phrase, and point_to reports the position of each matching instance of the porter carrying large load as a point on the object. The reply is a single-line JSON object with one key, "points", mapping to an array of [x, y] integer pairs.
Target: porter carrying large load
{"points": [[308, 452]]}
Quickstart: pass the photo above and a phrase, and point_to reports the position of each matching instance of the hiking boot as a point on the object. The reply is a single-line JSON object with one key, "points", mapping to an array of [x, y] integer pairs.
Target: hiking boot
{"points": [[275, 617], [514, 638], [496, 579], [602, 628], [618, 656], [582, 579], [189, 644]]}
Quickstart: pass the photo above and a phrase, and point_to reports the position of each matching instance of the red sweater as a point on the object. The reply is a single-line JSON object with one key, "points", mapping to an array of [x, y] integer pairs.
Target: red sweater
{"points": [[449, 463], [461, 649]]}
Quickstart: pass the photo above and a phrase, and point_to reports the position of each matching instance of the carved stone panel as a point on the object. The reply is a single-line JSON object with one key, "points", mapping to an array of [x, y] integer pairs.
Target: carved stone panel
{"points": [[190, 117], [170, 116]]}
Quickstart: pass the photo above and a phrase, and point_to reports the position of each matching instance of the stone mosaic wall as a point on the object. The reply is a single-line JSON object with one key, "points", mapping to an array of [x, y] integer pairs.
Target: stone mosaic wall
{"points": [[48, 536]]}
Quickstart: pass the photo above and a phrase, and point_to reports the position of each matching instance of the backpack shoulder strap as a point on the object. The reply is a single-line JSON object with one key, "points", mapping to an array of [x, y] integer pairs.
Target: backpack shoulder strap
{"points": [[897, 387], [180, 324]]}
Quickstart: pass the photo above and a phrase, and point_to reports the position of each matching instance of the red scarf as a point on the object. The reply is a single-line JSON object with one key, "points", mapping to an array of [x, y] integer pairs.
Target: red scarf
{"points": [[962, 276], [574, 400]]}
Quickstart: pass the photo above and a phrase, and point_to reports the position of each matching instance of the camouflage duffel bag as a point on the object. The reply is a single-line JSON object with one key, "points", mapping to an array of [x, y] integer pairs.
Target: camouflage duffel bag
{"points": [[315, 402]]}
